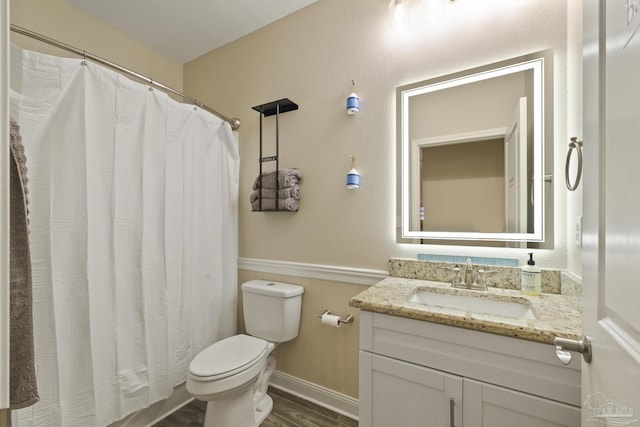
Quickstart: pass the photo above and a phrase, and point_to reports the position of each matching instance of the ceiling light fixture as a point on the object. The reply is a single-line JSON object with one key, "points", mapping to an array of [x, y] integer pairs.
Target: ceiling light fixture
{"points": [[398, 10]]}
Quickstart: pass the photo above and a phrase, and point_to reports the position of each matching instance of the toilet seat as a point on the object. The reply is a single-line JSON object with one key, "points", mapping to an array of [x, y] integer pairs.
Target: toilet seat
{"points": [[228, 357]]}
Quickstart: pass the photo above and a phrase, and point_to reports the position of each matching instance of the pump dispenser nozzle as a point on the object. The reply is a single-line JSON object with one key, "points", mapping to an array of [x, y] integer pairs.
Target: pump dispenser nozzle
{"points": [[531, 261]]}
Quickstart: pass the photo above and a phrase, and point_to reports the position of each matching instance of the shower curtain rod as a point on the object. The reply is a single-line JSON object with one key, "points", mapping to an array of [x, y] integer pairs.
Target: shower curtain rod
{"points": [[234, 122]]}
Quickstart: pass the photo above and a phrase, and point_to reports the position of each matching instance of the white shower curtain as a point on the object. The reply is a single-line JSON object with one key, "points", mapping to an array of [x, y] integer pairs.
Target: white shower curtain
{"points": [[133, 222]]}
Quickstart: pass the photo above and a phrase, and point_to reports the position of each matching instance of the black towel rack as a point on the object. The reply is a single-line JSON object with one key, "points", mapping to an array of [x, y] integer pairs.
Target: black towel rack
{"points": [[270, 109]]}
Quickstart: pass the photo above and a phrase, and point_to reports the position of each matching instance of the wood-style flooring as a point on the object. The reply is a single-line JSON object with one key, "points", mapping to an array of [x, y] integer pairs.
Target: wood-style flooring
{"points": [[288, 411]]}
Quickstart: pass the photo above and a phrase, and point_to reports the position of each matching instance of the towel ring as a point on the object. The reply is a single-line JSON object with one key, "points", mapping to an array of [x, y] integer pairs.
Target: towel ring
{"points": [[573, 145]]}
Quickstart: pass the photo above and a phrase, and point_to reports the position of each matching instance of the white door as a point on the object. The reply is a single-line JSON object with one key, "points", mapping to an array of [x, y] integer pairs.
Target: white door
{"points": [[515, 170], [611, 251]]}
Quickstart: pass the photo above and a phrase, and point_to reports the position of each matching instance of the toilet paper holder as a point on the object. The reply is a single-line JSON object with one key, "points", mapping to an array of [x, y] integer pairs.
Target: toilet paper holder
{"points": [[349, 318]]}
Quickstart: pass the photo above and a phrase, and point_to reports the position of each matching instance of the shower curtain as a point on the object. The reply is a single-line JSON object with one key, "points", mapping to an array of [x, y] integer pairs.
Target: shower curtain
{"points": [[133, 231]]}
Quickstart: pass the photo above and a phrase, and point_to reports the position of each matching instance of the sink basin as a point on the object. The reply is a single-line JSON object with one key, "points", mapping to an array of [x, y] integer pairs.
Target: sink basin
{"points": [[480, 304]]}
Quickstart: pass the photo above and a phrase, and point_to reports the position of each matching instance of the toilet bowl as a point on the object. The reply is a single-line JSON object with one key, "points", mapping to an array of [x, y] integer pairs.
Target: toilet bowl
{"points": [[228, 375], [233, 374]]}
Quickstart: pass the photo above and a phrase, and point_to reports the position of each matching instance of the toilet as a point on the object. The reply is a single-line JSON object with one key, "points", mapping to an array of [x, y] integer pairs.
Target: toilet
{"points": [[233, 374]]}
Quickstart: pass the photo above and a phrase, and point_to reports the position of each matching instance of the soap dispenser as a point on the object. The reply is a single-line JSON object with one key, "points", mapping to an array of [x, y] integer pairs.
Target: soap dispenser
{"points": [[531, 277]]}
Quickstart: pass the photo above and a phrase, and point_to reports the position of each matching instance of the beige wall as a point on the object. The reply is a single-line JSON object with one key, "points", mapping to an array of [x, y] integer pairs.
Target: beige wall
{"points": [[311, 57], [58, 20], [472, 107], [322, 355]]}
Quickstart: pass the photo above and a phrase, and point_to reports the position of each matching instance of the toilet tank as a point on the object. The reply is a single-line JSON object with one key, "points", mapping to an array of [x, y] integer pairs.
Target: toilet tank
{"points": [[272, 309]]}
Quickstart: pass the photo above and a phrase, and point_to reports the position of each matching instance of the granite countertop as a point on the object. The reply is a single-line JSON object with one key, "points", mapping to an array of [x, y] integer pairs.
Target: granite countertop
{"points": [[556, 315]]}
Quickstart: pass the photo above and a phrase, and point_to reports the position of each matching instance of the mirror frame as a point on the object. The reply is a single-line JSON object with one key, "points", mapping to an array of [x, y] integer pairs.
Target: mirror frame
{"points": [[534, 62]]}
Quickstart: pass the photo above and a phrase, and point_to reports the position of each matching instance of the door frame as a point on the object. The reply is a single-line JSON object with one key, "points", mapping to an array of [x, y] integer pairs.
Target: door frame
{"points": [[436, 141], [518, 128]]}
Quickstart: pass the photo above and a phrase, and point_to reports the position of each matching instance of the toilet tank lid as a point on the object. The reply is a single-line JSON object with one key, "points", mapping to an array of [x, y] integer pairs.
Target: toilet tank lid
{"points": [[275, 289]]}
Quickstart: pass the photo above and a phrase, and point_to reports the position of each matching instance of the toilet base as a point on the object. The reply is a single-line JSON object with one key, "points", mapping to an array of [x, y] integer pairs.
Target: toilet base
{"points": [[263, 410], [233, 413], [235, 410]]}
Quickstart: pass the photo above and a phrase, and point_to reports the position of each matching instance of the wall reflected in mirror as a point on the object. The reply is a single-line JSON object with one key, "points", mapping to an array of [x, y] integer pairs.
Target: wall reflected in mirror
{"points": [[472, 150]]}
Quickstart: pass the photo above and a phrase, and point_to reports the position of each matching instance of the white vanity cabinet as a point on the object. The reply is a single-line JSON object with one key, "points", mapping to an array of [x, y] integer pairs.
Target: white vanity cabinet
{"points": [[415, 373]]}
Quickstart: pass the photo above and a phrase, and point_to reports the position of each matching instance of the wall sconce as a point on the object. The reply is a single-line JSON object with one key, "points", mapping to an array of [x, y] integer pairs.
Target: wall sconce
{"points": [[353, 101], [353, 177]]}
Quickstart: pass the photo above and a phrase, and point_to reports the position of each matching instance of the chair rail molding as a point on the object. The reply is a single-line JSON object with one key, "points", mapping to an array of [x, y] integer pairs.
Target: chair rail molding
{"points": [[353, 275]]}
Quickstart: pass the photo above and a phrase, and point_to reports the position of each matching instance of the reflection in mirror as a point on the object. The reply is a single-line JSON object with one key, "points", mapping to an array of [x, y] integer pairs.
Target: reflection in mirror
{"points": [[472, 154]]}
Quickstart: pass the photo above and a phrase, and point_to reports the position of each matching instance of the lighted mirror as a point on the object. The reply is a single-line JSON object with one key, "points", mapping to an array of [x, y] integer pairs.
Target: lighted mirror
{"points": [[472, 148]]}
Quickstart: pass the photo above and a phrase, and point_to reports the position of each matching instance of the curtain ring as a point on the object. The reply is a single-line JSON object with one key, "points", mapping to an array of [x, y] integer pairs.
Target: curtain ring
{"points": [[577, 145]]}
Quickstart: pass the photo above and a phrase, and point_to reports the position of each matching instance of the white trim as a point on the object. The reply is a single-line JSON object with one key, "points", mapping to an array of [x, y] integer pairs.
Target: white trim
{"points": [[359, 276], [628, 343], [322, 396], [460, 138], [4, 205]]}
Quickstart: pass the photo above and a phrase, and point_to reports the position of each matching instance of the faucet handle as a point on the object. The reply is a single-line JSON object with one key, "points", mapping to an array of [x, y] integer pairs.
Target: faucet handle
{"points": [[482, 277], [457, 277]]}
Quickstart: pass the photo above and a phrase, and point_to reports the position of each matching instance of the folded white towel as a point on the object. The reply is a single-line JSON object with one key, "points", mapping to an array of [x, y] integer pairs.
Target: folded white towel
{"points": [[289, 204], [286, 178], [269, 193]]}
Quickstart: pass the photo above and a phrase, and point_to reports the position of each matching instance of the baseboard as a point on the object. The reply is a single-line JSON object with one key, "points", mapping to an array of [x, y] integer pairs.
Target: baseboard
{"points": [[359, 276], [322, 396]]}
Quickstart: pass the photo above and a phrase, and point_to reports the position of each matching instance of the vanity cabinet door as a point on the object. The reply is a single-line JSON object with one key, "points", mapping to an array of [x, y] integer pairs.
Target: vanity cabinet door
{"points": [[486, 405], [401, 394]]}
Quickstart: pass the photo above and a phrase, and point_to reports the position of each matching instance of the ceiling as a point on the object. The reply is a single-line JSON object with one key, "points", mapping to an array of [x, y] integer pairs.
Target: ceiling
{"points": [[186, 29]]}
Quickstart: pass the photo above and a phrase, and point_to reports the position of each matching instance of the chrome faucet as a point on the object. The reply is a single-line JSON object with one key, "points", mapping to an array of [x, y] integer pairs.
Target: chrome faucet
{"points": [[471, 281], [468, 273]]}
